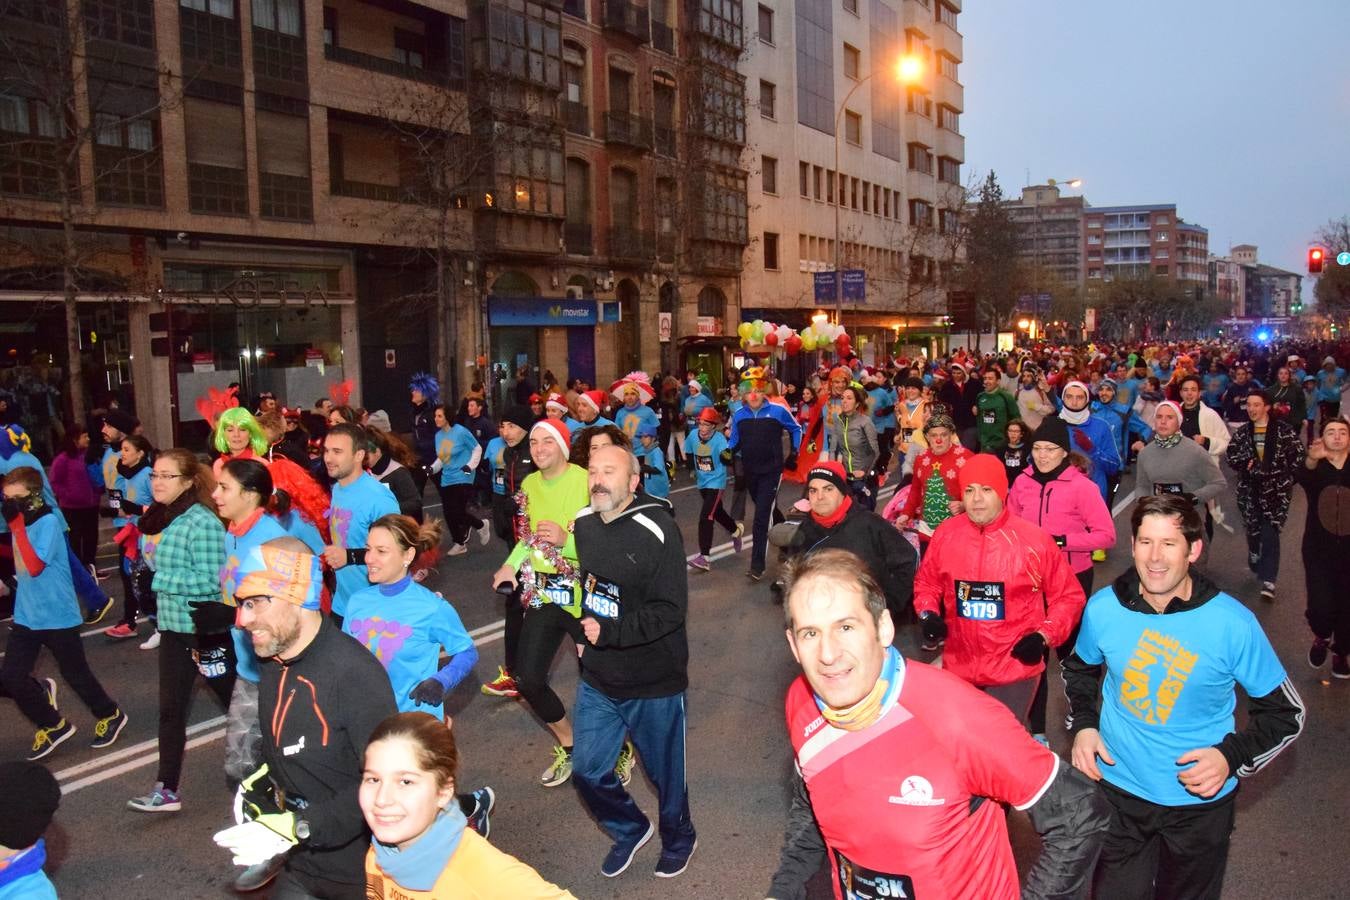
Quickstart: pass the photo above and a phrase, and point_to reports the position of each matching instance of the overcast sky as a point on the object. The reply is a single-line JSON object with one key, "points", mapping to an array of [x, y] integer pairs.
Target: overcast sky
{"points": [[1238, 112]]}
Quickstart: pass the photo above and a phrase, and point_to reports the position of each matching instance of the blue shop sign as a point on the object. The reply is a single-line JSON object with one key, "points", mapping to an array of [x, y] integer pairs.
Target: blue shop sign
{"points": [[545, 311]]}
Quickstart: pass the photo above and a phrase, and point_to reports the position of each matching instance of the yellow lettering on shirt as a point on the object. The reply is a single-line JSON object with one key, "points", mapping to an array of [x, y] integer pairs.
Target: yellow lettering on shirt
{"points": [[1155, 650]]}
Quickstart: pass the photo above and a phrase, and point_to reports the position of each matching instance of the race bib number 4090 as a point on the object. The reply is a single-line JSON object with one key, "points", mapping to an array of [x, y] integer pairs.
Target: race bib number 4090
{"points": [[980, 600]]}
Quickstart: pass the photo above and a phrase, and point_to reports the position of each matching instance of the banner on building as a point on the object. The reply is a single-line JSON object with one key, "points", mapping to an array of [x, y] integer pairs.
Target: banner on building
{"points": [[1089, 320], [824, 287], [708, 326], [664, 326], [855, 285]]}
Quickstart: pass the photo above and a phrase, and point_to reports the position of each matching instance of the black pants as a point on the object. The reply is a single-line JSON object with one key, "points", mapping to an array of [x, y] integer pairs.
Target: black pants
{"points": [[67, 647], [864, 491], [83, 524], [455, 500], [543, 630], [1328, 610], [1036, 718], [514, 614], [887, 441], [712, 511], [1154, 852], [138, 600], [1265, 546], [178, 675], [763, 488]]}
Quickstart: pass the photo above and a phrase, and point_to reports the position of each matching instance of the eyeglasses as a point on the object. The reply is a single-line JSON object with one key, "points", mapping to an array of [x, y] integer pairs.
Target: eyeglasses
{"points": [[250, 604], [165, 476]]}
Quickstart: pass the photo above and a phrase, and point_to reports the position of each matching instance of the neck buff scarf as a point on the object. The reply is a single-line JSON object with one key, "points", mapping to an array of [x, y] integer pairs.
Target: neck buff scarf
{"points": [[1167, 442], [838, 514], [418, 867], [869, 708]]}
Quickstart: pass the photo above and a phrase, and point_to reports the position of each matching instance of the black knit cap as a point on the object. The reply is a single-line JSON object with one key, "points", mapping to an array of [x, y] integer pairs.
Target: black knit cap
{"points": [[520, 416], [122, 420], [29, 796], [1053, 430]]}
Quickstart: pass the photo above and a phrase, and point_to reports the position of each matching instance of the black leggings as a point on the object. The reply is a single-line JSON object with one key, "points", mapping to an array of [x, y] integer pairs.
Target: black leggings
{"points": [[67, 647], [543, 630], [178, 675], [83, 522], [712, 511], [455, 500], [1036, 718]]}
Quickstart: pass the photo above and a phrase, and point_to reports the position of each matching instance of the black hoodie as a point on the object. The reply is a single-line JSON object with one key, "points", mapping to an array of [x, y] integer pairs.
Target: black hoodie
{"points": [[634, 582]]}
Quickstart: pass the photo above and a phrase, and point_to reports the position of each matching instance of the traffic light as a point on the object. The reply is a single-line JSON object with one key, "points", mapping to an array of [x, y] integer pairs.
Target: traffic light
{"points": [[1315, 258]]}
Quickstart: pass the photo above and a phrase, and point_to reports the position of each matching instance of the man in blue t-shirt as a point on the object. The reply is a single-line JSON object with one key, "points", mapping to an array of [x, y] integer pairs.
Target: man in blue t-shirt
{"points": [[358, 500], [1159, 734]]}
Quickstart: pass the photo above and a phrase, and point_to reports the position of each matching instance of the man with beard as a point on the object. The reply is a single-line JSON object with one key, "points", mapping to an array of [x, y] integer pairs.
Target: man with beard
{"points": [[358, 500], [318, 701]]}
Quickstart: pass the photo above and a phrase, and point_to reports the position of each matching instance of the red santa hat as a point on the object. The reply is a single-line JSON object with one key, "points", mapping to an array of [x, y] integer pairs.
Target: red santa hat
{"points": [[594, 398], [555, 430], [557, 401]]}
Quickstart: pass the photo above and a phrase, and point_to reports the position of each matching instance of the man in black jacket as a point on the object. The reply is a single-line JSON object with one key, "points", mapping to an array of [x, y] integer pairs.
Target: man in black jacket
{"points": [[1173, 647], [837, 523], [321, 695], [634, 667]]}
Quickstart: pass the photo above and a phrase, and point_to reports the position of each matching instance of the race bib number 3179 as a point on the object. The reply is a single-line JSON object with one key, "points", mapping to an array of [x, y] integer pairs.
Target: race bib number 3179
{"points": [[980, 600]]}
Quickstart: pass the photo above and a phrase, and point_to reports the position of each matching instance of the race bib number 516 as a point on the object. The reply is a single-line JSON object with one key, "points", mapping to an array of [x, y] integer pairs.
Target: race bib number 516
{"points": [[980, 600]]}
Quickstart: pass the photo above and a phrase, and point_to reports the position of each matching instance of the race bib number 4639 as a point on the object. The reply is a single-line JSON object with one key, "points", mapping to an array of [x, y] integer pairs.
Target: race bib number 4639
{"points": [[600, 598], [980, 600]]}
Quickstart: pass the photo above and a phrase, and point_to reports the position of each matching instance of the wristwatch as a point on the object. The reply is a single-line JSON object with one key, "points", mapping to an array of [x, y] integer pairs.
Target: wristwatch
{"points": [[301, 830]]}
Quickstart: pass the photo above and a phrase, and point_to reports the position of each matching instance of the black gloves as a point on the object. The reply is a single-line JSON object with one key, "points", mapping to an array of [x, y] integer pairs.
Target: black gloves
{"points": [[465, 469], [430, 692], [210, 617], [791, 461], [134, 509], [725, 457], [1030, 649], [933, 626], [108, 513], [1060, 540]]}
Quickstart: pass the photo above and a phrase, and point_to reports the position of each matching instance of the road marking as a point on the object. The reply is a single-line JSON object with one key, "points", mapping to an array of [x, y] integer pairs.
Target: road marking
{"points": [[1124, 504], [486, 634]]}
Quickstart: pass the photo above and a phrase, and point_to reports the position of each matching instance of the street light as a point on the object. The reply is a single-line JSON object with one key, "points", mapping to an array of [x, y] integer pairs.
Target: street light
{"points": [[908, 69]]}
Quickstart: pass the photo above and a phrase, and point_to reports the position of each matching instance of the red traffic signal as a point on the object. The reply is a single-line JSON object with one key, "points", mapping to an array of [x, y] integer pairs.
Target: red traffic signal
{"points": [[1316, 255]]}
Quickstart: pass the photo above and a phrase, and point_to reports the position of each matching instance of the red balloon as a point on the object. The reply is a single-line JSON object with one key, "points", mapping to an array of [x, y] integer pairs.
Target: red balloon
{"points": [[771, 338], [841, 343], [793, 345]]}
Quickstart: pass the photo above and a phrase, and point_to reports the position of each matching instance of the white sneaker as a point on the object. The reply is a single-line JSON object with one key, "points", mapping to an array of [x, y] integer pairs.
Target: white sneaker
{"points": [[484, 532], [457, 550], [151, 642]]}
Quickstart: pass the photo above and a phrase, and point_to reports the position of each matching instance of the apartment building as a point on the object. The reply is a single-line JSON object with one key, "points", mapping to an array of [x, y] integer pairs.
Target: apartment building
{"points": [[1255, 291], [328, 191], [1135, 241], [823, 86], [1051, 229]]}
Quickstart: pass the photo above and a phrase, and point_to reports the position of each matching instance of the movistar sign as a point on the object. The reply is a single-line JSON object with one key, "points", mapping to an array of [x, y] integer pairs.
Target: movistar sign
{"points": [[538, 311]]}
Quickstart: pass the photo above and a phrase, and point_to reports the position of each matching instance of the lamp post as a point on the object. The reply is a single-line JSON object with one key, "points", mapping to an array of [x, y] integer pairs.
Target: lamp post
{"points": [[1074, 183], [908, 70]]}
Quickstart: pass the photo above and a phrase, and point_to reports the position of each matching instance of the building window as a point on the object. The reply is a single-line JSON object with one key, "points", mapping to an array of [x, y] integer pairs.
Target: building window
{"points": [[283, 166], [866, 197], [217, 180], [1160, 270], [947, 66], [920, 159], [410, 49], [804, 177], [768, 94], [769, 174], [920, 214], [851, 6], [1161, 237], [208, 32], [1094, 238], [277, 15], [853, 192], [1161, 254], [1094, 273], [852, 127], [946, 15], [817, 172], [330, 27], [524, 41], [815, 64], [949, 118], [917, 101], [127, 161], [829, 186], [1161, 220], [222, 8], [124, 21], [765, 24], [770, 251], [852, 62], [948, 221]]}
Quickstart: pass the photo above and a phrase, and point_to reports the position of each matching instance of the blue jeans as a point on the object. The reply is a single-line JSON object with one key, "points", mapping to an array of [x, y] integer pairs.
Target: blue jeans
{"points": [[1267, 546], [656, 726], [91, 596]]}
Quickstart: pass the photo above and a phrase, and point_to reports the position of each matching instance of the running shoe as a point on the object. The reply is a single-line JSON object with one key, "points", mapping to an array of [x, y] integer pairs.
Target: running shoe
{"points": [[672, 864], [1340, 665], [1268, 591], [501, 686], [457, 550], [755, 574], [480, 820], [737, 537], [256, 877], [152, 641], [620, 856], [484, 532], [1317, 653], [1042, 740], [701, 563], [107, 730], [559, 770], [45, 740], [94, 616], [121, 631], [624, 767], [160, 799], [1098, 556]]}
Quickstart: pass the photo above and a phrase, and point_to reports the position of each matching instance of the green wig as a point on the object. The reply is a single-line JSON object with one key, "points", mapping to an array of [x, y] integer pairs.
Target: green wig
{"points": [[240, 418]]}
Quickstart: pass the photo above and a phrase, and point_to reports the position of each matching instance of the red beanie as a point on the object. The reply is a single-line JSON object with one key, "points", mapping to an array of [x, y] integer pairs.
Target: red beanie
{"points": [[985, 469], [831, 471], [556, 430]]}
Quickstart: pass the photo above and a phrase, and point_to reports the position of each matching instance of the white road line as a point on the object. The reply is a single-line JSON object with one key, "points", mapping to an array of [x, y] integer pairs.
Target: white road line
{"points": [[485, 635], [1124, 504]]}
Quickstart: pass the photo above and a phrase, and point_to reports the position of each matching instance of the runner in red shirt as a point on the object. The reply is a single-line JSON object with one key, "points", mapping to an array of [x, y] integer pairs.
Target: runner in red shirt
{"points": [[901, 767]]}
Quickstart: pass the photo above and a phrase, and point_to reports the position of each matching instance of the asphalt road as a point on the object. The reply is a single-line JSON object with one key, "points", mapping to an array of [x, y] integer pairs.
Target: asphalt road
{"points": [[1289, 839]]}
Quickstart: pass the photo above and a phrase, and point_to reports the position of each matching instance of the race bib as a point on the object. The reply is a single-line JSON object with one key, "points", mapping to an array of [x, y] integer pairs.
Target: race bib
{"points": [[1012, 460], [1167, 487], [213, 663], [114, 499], [990, 417], [906, 434], [601, 598], [557, 589], [499, 478], [859, 883], [981, 601], [703, 463]]}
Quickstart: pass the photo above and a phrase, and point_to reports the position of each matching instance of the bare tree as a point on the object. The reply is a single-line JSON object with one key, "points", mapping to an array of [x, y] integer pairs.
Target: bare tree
{"points": [[78, 128], [1333, 285]]}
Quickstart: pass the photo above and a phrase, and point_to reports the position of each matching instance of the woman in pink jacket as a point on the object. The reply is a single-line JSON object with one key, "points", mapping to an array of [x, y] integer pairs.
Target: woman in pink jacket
{"points": [[1053, 494]]}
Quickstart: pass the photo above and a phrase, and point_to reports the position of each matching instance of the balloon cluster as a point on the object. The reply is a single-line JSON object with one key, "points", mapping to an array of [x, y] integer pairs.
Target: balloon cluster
{"points": [[817, 336]]}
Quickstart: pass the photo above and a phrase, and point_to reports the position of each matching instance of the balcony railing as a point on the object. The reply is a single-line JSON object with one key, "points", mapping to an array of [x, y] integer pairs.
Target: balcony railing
{"points": [[665, 140], [577, 117], [577, 238], [628, 18], [628, 129], [632, 244], [387, 66], [663, 37]]}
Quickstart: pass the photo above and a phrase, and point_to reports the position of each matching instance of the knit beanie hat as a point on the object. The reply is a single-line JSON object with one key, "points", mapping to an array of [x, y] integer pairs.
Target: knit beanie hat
{"points": [[122, 420], [31, 797], [555, 430], [1053, 430], [985, 469], [830, 471], [708, 414], [520, 416]]}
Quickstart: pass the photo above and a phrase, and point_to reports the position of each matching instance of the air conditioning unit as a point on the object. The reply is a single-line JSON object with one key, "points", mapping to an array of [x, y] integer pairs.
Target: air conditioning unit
{"points": [[573, 292]]}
